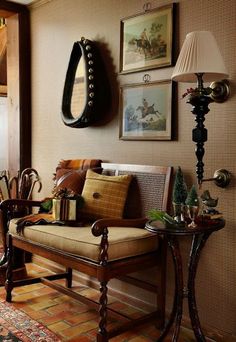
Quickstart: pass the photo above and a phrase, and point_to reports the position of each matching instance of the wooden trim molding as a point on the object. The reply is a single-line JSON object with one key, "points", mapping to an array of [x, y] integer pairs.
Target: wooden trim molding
{"points": [[18, 84]]}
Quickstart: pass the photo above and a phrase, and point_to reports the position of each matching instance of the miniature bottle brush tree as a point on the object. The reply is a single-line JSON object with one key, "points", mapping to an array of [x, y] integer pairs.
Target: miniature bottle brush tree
{"points": [[179, 195]]}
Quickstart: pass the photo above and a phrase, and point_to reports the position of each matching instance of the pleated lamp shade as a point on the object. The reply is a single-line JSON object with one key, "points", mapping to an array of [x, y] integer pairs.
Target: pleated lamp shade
{"points": [[199, 54]]}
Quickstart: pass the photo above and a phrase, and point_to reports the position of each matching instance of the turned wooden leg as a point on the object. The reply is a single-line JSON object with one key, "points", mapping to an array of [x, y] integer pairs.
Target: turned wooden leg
{"points": [[69, 278], [102, 332], [3, 233], [9, 282]]}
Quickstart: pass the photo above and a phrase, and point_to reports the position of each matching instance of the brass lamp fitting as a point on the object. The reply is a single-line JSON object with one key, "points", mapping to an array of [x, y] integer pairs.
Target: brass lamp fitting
{"points": [[221, 178], [220, 91]]}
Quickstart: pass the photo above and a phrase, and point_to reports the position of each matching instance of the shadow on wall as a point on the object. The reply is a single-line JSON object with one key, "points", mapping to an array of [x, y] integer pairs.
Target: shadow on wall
{"points": [[112, 81]]}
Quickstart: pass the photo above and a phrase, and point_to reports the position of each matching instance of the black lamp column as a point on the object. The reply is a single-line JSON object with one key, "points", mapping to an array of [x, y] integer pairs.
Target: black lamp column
{"points": [[199, 101]]}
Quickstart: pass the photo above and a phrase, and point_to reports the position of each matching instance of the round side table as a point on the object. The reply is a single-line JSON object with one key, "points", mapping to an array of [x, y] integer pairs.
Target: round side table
{"points": [[199, 236]]}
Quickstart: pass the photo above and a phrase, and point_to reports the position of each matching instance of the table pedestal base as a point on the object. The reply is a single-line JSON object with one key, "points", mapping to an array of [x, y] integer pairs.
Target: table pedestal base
{"points": [[181, 292]]}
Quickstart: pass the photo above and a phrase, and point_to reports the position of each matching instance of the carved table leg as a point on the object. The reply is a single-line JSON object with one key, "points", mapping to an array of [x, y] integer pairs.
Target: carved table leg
{"points": [[198, 243], [176, 314]]}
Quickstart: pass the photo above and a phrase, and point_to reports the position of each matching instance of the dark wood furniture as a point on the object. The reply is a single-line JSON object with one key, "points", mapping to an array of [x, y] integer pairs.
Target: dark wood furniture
{"points": [[199, 236], [149, 189]]}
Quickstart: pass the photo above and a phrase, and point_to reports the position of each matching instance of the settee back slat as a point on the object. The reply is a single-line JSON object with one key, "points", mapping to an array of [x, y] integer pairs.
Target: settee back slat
{"points": [[148, 189]]}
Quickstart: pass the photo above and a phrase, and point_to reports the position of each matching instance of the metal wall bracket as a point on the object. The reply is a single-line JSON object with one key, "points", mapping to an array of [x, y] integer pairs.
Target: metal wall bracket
{"points": [[221, 178], [220, 91]]}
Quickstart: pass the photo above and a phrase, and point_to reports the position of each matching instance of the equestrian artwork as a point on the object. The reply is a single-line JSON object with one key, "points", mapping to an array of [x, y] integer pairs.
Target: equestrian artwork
{"points": [[146, 110], [147, 40]]}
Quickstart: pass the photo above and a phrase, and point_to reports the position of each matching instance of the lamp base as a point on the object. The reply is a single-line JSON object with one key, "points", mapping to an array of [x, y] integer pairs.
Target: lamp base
{"points": [[199, 133]]}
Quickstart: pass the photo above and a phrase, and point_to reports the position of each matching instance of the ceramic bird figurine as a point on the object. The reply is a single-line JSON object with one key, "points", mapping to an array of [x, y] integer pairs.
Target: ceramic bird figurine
{"points": [[208, 201]]}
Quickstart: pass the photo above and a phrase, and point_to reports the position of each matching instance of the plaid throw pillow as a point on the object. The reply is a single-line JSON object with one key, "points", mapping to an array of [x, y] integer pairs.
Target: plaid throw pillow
{"points": [[104, 196]]}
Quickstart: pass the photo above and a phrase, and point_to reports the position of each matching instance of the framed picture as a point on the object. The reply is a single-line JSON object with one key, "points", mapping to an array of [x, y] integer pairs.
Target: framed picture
{"points": [[146, 40], [146, 111]]}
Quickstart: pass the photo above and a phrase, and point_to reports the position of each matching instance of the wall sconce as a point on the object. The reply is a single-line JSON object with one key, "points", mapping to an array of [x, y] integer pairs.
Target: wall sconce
{"points": [[200, 59]]}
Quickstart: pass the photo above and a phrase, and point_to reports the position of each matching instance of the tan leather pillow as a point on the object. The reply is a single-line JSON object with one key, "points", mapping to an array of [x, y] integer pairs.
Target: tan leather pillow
{"points": [[65, 166], [73, 179], [104, 196]]}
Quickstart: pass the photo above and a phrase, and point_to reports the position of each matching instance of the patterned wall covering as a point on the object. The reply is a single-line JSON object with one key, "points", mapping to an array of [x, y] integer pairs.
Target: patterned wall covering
{"points": [[56, 25]]}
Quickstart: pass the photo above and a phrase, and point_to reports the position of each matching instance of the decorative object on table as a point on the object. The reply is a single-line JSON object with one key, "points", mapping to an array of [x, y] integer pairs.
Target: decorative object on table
{"points": [[210, 204], [146, 111], [179, 196], [199, 59], [192, 203], [146, 40], [65, 205], [162, 216]]}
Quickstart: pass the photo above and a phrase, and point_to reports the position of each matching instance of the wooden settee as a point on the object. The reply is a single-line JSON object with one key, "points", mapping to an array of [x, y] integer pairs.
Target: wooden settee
{"points": [[114, 248]]}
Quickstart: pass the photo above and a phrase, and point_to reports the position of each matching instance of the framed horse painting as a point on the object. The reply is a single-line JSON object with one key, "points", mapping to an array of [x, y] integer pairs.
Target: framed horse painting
{"points": [[146, 111], [146, 40]]}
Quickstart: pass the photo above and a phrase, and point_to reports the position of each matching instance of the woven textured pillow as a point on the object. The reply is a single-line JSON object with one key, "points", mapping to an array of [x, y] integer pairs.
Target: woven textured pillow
{"points": [[104, 196]]}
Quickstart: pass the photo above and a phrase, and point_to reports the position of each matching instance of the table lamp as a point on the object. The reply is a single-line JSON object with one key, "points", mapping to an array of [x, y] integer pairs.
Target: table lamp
{"points": [[200, 61]]}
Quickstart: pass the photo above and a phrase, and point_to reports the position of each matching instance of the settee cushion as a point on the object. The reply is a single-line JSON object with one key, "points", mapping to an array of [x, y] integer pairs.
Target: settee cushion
{"points": [[104, 195], [123, 241]]}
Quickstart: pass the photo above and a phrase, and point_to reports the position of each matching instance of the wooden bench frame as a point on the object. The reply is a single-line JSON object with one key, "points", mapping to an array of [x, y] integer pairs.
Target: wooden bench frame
{"points": [[105, 269]]}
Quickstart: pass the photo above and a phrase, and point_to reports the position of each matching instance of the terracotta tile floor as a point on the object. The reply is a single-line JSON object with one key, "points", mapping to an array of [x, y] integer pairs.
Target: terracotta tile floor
{"points": [[73, 321]]}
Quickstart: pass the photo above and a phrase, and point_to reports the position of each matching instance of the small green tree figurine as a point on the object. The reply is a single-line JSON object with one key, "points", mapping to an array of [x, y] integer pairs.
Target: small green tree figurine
{"points": [[180, 188], [179, 195], [192, 199]]}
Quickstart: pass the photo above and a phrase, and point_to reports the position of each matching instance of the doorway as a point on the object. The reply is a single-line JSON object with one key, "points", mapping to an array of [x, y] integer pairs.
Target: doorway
{"points": [[18, 85]]}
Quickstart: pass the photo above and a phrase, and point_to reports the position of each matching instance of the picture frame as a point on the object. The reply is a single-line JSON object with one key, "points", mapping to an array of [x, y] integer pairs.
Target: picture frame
{"points": [[146, 111], [146, 40]]}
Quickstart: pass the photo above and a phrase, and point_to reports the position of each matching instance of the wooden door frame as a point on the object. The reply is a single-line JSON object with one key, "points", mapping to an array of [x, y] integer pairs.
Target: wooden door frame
{"points": [[19, 108]]}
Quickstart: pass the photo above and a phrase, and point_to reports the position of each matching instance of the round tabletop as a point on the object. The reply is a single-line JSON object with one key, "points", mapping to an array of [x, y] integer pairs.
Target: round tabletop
{"points": [[203, 226]]}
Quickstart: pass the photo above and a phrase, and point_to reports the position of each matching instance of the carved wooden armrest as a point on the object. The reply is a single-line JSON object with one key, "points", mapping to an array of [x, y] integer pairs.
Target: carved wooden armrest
{"points": [[11, 208], [99, 225], [6, 204]]}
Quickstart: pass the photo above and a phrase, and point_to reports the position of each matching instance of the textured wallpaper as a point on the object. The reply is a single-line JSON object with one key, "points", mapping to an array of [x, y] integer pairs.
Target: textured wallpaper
{"points": [[55, 26]]}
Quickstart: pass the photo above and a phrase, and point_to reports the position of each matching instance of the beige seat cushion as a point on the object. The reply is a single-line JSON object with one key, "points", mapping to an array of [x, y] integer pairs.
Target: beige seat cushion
{"points": [[123, 241]]}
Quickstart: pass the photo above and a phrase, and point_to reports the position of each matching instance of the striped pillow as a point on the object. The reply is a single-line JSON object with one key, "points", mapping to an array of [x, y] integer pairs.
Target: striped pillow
{"points": [[104, 196]]}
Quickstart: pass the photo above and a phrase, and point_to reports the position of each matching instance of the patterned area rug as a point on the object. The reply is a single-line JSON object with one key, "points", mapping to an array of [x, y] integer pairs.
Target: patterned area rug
{"points": [[16, 326]]}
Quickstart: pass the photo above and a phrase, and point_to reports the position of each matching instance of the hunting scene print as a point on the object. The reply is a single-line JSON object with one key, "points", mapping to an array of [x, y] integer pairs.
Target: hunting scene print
{"points": [[146, 41], [144, 117], [146, 111]]}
